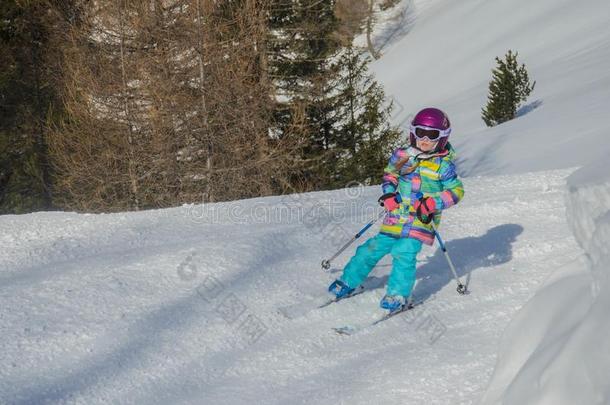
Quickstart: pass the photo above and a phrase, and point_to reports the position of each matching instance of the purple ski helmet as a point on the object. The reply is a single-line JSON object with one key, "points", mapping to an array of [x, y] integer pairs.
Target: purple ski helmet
{"points": [[433, 124]]}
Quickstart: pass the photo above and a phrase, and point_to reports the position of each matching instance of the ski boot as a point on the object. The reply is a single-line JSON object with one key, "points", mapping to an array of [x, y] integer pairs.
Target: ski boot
{"points": [[339, 289], [393, 302]]}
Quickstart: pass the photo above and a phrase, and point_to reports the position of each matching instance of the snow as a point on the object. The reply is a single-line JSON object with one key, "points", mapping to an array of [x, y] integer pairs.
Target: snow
{"points": [[389, 25], [183, 305], [446, 59], [145, 307], [566, 350], [555, 350]]}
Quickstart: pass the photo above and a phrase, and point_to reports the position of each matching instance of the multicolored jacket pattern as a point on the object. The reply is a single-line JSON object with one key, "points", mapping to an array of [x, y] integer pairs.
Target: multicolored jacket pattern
{"points": [[433, 177]]}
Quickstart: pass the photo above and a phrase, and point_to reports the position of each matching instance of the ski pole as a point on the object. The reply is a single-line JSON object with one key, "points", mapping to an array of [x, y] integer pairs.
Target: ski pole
{"points": [[461, 288], [326, 263]]}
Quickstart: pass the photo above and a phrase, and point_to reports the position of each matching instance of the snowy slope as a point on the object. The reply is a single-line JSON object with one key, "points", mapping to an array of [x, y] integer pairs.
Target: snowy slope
{"points": [[446, 59], [563, 357], [146, 307]]}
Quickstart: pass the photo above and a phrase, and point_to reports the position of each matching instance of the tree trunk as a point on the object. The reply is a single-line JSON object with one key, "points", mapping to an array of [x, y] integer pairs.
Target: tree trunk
{"points": [[369, 31], [132, 169], [207, 197]]}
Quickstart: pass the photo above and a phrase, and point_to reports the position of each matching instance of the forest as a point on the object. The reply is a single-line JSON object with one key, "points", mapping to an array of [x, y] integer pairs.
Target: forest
{"points": [[116, 105]]}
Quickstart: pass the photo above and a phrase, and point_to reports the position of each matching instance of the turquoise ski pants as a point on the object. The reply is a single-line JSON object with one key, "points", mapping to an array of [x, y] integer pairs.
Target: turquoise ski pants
{"points": [[404, 254]]}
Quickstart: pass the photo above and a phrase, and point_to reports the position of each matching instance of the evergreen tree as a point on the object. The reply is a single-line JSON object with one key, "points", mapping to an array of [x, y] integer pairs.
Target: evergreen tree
{"points": [[27, 102], [301, 47], [509, 87], [364, 137], [326, 98]]}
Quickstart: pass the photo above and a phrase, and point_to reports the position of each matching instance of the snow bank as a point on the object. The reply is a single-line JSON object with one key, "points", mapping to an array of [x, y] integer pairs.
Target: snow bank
{"points": [[557, 349]]}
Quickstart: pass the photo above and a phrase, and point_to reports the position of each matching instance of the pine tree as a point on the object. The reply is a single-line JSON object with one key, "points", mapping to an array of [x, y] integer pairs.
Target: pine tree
{"points": [[363, 135], [326, 98], [27, 103], [509, 87], [302, 45]]}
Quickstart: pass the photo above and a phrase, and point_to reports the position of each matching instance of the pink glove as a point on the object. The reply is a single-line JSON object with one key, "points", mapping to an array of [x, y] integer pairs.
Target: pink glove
{"points": [[425, 208], [390, 201]]}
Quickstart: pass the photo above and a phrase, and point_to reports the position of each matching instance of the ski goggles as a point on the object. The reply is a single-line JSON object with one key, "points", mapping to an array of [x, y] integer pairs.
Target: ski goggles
{"points": [[432, 134]]}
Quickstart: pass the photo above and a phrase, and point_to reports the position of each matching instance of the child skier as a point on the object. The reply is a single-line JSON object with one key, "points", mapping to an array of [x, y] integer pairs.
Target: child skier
{"points": [[419, 182]]}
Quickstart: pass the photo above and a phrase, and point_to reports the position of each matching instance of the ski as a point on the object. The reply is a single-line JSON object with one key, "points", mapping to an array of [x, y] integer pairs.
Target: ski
{"points": [[353, 329], [303, 308]]}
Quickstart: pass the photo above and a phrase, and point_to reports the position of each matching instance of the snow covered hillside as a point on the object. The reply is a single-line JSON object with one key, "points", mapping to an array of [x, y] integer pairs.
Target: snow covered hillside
{"points": [[184, 305], [445, 60], [181, 305]]}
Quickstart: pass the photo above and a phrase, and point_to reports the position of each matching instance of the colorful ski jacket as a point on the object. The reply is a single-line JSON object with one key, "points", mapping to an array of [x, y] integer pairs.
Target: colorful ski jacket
{"points": [[434, 176]]}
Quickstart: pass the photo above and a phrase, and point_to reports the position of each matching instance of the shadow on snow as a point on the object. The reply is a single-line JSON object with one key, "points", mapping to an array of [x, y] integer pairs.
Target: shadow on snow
{"points": [[467, 254]]}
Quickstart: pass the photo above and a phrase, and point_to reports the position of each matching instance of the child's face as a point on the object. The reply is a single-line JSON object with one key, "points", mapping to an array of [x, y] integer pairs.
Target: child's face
{"points": [[426, 145]]}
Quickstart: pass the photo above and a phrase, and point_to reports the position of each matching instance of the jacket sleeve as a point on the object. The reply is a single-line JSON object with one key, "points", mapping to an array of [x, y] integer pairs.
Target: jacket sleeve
{"points": [[391, 173], [453, 189]]}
